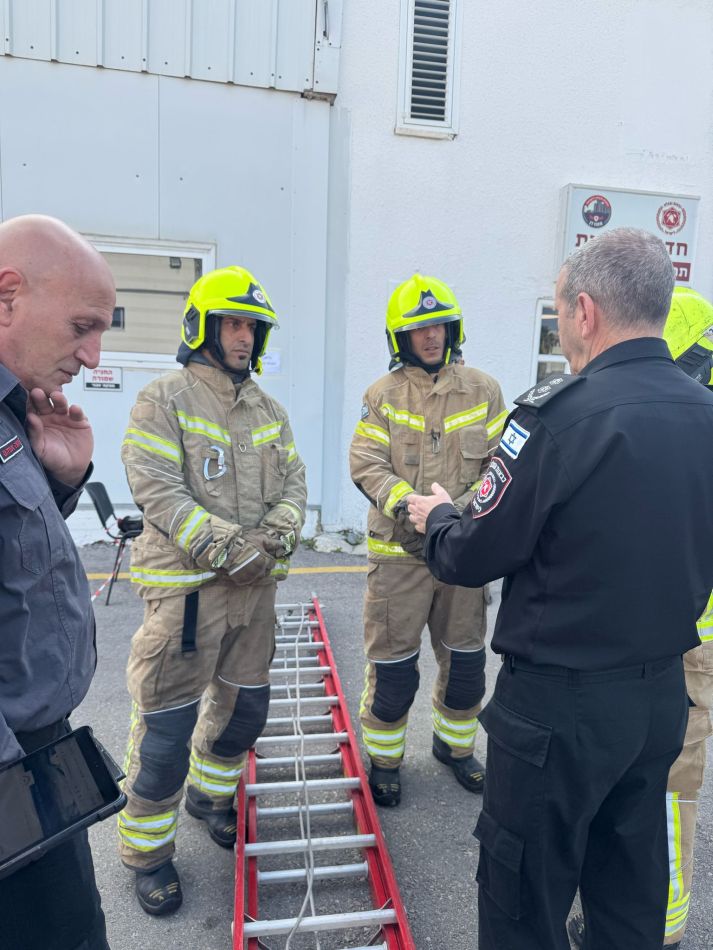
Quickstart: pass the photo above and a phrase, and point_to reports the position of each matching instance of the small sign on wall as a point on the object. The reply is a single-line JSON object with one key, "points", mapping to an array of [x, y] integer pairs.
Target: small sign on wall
{"points": [[589, 210], [271, 362], [104, 377]]}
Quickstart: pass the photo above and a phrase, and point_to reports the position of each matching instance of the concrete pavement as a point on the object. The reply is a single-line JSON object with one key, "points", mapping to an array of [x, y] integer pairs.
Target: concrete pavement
{"points": [[429, 835]]}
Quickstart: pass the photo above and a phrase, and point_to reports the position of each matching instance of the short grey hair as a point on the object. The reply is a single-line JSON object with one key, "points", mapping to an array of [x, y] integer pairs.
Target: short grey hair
{"points": [[628, 273]]}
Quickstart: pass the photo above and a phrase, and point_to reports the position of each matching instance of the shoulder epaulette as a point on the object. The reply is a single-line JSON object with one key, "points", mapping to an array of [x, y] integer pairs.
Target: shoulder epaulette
{"points": [[547, 389]]}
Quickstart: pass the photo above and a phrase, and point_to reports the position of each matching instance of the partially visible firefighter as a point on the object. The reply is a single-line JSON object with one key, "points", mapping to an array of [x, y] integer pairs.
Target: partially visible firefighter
{"points": [[212, 463], [429, 419], [689, 334]]}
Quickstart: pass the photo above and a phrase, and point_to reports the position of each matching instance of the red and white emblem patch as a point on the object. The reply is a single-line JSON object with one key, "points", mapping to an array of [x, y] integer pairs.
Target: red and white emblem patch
{"points": [[492, 488], [10, 448]]}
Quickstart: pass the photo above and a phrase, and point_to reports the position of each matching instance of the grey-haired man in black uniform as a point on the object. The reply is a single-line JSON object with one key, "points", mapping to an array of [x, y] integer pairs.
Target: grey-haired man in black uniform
{"points": [[596, 509]]}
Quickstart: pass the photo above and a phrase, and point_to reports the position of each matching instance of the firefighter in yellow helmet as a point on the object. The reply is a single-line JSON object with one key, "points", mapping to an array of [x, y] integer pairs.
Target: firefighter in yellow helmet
{"points": [[689, 334], [429, 419], [212, 463]]}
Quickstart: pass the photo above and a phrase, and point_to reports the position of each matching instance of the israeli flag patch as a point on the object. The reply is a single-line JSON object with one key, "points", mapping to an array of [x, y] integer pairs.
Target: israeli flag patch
{"points": [[514, 439]]}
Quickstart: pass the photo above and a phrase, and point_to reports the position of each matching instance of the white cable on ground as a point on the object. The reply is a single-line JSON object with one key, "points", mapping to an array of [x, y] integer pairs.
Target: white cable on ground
{"points": [[301, 775]]}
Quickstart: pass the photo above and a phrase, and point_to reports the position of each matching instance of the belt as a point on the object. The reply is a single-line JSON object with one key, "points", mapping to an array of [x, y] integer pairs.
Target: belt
{"points": [[575, 677]]}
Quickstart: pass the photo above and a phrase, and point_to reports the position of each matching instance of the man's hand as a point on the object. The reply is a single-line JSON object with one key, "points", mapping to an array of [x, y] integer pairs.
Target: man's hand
{"points": [[60, 435], [420, 506]]}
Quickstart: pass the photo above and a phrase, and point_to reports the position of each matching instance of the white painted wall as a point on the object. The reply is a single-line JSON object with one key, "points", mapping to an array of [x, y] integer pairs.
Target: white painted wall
{"points": [[612, 92]]}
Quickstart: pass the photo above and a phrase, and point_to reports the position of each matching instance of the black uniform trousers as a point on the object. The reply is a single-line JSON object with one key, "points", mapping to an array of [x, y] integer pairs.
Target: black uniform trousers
{"points": [[53, 903], [575, 795]]}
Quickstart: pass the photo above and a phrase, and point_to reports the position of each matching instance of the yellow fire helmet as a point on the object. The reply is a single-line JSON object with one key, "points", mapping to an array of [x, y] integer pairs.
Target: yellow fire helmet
{"points": [[418, 302], [225, 293], [689, 334]]}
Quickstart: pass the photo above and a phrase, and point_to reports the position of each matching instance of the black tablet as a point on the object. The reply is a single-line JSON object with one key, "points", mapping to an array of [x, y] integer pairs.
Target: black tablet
{"points": [[52, 793]]}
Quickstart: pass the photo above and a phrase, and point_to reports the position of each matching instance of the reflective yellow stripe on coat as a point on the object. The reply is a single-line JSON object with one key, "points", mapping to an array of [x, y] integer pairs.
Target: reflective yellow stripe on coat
{"points": [[154, 444]]}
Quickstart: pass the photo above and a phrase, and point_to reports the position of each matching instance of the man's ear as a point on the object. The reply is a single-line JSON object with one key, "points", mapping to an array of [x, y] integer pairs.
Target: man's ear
{"points": [[10, 283], [587, 316]]}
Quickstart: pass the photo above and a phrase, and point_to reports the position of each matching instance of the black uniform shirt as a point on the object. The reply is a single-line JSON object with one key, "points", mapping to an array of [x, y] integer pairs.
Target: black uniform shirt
{"points": [[47, 654], [596, 509]]}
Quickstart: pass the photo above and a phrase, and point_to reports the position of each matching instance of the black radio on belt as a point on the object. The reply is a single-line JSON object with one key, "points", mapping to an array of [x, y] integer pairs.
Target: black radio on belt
{"points": [[50, 794]]}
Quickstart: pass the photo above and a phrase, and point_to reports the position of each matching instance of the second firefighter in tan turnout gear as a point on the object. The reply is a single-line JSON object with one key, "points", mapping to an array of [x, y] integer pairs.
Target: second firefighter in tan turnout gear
{"points": [[212, 464], [429, 419]]}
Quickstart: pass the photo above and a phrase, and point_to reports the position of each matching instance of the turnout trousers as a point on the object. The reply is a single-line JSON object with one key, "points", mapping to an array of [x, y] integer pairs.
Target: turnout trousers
{"points": [[53, 903], [684, 784], [401, 599], [198, 675], [575, 795]]}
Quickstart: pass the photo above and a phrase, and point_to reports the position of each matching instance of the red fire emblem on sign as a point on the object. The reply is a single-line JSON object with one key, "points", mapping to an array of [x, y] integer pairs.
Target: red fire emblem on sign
{"points": [[671, 217]]}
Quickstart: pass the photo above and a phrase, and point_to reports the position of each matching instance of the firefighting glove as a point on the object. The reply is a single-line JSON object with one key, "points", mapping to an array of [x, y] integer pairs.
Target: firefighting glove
{"points": [[249, 561], [214, 551], [406, 535], [285, 520]]}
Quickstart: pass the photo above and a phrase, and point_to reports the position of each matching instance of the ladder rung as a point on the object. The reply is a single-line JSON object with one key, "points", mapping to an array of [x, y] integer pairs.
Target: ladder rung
{"points": [[289, 811], [313, 785], [372, 946], [280, 760], [297, 845], [306, 700], [284, 670], [308, 646], [312, 687], [279, 663], [289, 720], [325, 872], [364, 918], [309, 738], [304, 624]]}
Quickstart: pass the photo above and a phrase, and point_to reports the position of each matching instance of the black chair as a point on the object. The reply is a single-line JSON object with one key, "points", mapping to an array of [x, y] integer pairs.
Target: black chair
{"points": [[120, 530]]}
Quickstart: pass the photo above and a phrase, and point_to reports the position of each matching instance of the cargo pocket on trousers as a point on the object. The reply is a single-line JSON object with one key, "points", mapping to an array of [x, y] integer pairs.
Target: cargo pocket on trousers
{"points": [[376, 626], [147, 656], [500, 865], [517, 752]]}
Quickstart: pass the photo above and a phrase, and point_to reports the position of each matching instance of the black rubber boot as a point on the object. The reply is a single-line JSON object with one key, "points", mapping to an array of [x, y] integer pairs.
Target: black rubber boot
{"points": [[575, 929], [222, 825], [385, 786], [469, 771], [159, 892]]}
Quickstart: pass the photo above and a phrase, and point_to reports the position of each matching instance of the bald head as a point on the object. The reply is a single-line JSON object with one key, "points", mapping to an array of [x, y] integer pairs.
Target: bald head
{"points": [[56, 299], [44, 248]]}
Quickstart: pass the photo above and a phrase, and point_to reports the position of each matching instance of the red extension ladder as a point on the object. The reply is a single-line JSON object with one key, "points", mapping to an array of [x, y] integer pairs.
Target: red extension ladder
{"points": [[309, 719]]}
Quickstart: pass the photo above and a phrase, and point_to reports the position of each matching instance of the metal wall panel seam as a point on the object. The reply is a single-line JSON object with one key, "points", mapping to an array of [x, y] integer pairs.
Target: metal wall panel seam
{"points": [[6, 27], [54, 29], [273, 36], [188, 40], [100, 32], [231, 41], [145, 36]]}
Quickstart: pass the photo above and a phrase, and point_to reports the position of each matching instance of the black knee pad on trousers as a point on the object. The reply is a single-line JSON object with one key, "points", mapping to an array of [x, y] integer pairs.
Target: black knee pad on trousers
{"points": [[165, 752], [246, 723], [466, 679], [396, 687]]}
